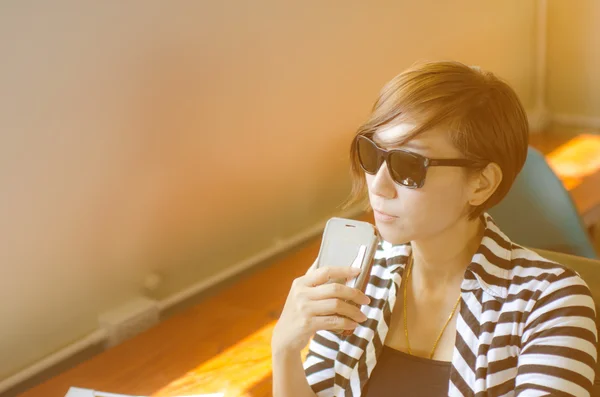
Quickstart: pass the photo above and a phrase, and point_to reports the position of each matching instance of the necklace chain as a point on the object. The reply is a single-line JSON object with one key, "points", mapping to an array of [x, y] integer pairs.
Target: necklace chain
{"points": [[408, 271]]}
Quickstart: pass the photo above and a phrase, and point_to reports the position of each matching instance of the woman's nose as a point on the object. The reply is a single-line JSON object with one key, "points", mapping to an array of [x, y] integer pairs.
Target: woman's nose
{"points": [[382, 183]]}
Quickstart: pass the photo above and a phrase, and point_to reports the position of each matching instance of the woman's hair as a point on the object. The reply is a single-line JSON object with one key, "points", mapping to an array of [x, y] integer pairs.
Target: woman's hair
{"points": [[482, 113]]}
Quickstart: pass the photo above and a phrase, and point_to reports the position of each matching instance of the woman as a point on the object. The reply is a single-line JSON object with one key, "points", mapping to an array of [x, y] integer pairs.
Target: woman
{"points": [[453, 307]]}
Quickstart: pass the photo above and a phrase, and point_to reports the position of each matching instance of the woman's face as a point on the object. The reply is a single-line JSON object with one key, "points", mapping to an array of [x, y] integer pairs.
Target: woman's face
{"points": [[424, 212]]}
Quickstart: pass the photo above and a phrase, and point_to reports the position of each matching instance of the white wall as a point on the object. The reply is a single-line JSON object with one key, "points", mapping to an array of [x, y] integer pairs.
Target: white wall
{"points": [[184, 136], [573, 63]]}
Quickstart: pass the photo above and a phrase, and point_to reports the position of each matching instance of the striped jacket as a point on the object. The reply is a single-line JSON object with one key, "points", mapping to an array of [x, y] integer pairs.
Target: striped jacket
{"points": [[526, 326]]}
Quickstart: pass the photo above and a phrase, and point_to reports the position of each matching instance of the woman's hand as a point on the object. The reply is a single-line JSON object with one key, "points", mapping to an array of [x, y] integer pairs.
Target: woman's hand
{"points": [[313, 305]]}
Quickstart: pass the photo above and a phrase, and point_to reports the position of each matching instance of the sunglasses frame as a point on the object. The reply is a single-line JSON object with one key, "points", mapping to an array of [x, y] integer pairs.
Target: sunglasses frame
{"points": [[426, 162]]}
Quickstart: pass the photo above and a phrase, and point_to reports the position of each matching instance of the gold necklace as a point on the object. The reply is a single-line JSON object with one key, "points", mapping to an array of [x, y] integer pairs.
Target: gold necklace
{"points": [[409, 268]]}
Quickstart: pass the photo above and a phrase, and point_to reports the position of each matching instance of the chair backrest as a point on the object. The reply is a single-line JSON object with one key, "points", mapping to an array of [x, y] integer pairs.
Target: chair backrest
{"points": [[539, 212], [589, 270]]}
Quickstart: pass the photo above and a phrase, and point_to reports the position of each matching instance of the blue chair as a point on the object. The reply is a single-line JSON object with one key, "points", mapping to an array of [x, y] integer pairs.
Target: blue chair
{"points": [[538, 212]]}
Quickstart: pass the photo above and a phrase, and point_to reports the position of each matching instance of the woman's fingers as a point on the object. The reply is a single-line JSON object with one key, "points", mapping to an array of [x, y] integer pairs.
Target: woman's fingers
{"points": [[333, 323], [322, 275], [339, 291], [328, 307], [315, 303]]}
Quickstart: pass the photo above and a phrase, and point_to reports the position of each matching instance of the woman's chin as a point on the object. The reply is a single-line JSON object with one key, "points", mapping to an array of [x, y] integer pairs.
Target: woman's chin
{"points": [[392, 234]]}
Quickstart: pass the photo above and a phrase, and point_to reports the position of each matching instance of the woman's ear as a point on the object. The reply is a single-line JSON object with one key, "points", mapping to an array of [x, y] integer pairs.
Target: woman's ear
{"points": [[484, 183]]}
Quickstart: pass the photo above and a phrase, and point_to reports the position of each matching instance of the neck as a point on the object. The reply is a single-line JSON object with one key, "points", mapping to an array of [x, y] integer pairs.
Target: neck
{"points": [[442, 259]]}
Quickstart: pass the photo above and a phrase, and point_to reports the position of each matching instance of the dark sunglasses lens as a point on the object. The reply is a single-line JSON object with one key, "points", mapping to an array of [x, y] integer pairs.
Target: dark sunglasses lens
{"points": [[407, 169], [367, 155]]}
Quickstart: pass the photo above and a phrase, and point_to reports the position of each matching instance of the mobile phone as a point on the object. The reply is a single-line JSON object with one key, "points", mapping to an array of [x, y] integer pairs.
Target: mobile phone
{"points": [[348, 242]]}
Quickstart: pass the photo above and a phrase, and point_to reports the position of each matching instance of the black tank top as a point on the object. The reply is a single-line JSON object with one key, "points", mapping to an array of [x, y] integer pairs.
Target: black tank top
{"points": [[398, 373]]}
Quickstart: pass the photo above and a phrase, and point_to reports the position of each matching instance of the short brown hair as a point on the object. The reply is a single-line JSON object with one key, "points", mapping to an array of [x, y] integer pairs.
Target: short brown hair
{"points": [[483, 114]]}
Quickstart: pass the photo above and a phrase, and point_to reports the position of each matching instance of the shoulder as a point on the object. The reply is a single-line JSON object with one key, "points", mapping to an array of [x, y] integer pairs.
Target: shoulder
{"points": [[529, 265], [550, 288], [524, 272], [536, 272], [558, 332]]}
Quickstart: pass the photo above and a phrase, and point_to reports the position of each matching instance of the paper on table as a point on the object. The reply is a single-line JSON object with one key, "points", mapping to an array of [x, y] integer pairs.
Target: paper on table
{"points": [[79, 392]]}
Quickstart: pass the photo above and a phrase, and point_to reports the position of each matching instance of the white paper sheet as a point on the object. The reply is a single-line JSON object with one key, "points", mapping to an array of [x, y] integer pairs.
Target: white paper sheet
{"points": [[79, 392]]}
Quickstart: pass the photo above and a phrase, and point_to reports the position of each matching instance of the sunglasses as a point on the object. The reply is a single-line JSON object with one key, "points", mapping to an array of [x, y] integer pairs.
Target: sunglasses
{"points": [[406, 168]]}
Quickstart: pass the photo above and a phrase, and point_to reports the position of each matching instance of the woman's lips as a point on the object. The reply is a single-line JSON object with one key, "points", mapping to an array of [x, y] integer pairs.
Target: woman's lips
{"points": [[383, 216]]}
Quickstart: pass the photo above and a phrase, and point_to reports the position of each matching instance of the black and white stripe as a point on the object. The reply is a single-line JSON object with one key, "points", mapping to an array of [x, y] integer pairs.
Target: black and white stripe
{"points": [[526, 325]]}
